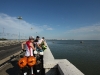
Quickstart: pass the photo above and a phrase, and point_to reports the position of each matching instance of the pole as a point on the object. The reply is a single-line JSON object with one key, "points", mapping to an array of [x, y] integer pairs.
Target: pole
{"points": [[3, 33], [36, 34], [20, 18]]}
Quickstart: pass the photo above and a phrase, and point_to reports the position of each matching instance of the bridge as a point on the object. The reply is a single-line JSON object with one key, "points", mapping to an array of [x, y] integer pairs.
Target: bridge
{"points": [[10, 54]]}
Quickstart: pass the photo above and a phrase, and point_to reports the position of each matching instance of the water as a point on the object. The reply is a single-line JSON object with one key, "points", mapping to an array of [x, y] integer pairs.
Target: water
{"points": [[85, 56]]}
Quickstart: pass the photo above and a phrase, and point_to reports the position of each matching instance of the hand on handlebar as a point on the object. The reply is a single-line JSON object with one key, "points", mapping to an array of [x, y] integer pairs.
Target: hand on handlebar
{"points": [[23, 50]]}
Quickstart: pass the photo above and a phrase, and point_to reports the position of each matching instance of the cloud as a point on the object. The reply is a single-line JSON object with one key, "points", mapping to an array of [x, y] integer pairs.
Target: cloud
{"points": [[94, 28], [49, 29], [58, 25], [88, 32], [12, 26], [46, 27]]}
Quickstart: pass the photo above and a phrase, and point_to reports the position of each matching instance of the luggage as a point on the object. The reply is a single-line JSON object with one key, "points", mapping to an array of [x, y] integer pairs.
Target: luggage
{"points": [[37, 68]]}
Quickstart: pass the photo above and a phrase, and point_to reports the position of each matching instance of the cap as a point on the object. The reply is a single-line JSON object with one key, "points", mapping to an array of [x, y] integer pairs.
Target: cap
{"points": [[31, 37], [43, 38], [37, 37]]}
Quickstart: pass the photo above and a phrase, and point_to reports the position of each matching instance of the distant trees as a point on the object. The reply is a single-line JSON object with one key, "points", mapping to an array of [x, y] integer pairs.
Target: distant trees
{"points": [[3, 39]]}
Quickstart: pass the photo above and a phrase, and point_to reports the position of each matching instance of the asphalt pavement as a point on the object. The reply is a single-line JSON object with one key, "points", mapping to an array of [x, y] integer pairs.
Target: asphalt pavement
{"points": [[11, 68], [6, 51]]}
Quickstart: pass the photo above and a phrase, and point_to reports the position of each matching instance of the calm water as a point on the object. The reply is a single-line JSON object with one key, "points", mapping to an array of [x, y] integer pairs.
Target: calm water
{"points": [[85, 56]]}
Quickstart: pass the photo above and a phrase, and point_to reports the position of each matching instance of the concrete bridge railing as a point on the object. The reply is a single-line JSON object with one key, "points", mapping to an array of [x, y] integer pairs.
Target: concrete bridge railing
{"points": [[58, 66]]}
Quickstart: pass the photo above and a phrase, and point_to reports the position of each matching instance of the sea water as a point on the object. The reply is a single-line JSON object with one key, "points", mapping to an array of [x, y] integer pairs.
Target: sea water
{"points": [[85, 56]]}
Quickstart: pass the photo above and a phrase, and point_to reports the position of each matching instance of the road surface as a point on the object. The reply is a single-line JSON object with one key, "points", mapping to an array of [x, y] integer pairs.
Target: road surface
{"points": [[9, 50]]}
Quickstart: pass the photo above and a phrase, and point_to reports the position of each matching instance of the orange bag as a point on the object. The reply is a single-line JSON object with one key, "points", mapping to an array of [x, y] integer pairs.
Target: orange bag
{"points": [[31, 61], [22, 62]]}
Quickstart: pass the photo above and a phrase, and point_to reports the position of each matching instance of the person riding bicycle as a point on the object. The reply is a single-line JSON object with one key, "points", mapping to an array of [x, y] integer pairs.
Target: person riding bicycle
{"points": [[29, 46]]}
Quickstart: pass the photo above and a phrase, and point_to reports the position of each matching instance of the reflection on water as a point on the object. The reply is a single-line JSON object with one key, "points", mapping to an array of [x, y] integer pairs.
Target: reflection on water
{"points": [[85, 56]]}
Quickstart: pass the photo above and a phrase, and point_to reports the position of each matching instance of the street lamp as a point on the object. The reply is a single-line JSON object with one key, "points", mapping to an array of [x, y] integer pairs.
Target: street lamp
{"points": [[3, 33], [20, 18]]}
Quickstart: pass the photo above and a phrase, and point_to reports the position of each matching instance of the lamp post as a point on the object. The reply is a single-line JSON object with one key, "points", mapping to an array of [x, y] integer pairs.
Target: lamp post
{"points": [[0, 35], [31, 29], [36, 34], [3, 33], [20, 18]]}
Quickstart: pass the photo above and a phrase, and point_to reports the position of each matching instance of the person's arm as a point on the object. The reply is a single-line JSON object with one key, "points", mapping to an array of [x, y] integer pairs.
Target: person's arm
{"points": [[38, 46], [31, 44], [22, 45], [44, 42]]}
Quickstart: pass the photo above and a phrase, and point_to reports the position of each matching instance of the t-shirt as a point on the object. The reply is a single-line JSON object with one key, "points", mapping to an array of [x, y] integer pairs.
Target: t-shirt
{"points": [[29, 50], [40, 41]]}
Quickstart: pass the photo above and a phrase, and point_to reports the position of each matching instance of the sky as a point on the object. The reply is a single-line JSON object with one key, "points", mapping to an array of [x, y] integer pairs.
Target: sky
{"points": [[52, 19]]}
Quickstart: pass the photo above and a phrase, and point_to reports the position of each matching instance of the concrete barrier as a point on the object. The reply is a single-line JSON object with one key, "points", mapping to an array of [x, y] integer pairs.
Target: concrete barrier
{"points": [[58, 66]]}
